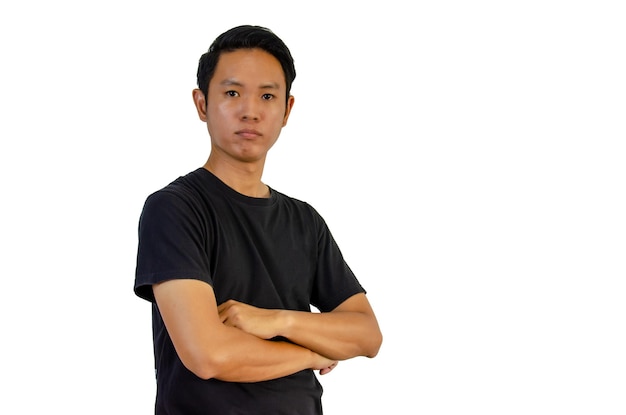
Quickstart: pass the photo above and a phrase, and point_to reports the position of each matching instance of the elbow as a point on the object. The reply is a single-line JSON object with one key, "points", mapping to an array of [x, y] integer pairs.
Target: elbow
{"points": [[374, 346], [368, 346], [202, 369], [204, 373], [203, 366]]}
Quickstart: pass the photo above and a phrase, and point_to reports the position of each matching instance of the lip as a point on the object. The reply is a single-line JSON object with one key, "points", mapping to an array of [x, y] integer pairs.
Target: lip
{"points": [[248, 133]]}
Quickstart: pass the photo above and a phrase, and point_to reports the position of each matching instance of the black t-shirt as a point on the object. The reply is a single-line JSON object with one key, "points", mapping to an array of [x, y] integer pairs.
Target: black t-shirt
{"points": [[274, 252]]}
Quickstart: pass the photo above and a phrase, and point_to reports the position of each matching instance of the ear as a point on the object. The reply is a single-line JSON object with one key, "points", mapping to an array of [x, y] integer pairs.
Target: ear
{"points": [[290, 103], [200, 102]]}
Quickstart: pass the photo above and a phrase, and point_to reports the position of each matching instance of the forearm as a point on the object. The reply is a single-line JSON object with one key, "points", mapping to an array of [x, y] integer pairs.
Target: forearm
{"points": [[338, 335], [211, 349], [242, 357], [350, 330]]}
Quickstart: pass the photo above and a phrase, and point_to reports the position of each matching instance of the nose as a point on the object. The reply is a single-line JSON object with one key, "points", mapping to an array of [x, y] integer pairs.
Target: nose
{"points": [[250, 110]]}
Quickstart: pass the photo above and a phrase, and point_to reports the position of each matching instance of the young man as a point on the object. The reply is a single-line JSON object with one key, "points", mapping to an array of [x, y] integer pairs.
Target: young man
{"points": [[232, 266]]}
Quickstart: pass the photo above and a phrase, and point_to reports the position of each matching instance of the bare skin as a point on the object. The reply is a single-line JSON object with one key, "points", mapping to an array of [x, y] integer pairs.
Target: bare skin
{"points": [[349, 330], [245, 110], [211, 349]]}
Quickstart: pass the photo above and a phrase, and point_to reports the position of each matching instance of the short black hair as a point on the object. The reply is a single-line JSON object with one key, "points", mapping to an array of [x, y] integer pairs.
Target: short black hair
{"points": [[245, 37]]}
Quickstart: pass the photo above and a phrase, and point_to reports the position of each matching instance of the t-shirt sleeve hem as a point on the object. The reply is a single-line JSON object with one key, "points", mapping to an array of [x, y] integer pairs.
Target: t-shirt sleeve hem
{"points": [[143, 286], [337, 300]]}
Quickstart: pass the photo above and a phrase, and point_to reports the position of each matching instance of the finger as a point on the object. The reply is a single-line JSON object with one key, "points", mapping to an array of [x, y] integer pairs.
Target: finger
{"points": [[328, 369], [227, 304]]}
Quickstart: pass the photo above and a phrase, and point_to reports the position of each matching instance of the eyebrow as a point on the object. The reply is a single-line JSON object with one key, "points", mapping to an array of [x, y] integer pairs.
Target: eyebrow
{"points": [[233, 82]]}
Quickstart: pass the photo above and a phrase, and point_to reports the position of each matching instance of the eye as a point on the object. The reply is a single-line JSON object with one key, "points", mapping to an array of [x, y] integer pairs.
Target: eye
{"points": [[232, 93], [267, 97]]}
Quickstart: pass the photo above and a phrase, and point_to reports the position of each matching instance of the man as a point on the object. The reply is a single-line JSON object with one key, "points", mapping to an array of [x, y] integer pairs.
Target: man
{"points": [[233, 266]]}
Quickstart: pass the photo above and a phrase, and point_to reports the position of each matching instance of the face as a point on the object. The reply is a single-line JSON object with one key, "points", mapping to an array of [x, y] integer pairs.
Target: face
{"points": [[245, 108]]}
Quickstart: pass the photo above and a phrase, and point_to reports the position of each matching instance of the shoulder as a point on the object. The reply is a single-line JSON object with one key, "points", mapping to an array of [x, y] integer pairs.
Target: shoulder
{"points": [[301, 207], [182, 189], [289, 201], [180, 197]]}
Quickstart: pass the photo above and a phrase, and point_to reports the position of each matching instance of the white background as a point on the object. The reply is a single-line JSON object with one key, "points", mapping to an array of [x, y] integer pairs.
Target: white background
{"points": [[468, 157]]}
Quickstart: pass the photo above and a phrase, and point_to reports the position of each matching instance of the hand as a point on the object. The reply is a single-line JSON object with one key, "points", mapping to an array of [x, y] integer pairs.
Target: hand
{"points": [[260, 322], [325, 365]]}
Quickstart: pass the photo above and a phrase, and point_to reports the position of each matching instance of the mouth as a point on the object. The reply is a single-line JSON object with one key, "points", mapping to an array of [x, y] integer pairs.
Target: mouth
{"points": [[248, 133]]}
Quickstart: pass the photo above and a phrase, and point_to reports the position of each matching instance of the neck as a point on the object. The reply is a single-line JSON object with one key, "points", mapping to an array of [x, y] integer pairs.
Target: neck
{"points": [[244, 178]]}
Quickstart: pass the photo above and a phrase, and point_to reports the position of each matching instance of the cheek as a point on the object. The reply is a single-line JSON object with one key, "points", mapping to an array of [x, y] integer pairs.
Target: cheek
{"points": [[279, 115], [223, 109], [218, 114]]}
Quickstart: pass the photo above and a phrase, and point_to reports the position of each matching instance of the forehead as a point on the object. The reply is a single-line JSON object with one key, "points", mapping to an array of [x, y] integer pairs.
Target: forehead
{"points": [[254, 65]]}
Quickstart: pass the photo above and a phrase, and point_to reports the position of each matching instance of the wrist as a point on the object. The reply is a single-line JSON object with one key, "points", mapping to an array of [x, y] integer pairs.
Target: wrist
{"points": [[285, 321]]}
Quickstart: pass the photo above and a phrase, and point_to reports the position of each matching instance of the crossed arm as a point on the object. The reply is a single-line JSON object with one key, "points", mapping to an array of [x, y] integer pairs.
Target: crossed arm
{"points": [[230, 343]]}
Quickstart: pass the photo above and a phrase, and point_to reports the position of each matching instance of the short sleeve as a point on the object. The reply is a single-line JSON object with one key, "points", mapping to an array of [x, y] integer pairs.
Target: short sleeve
{"points": [[172, 243], [334, 280]]}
